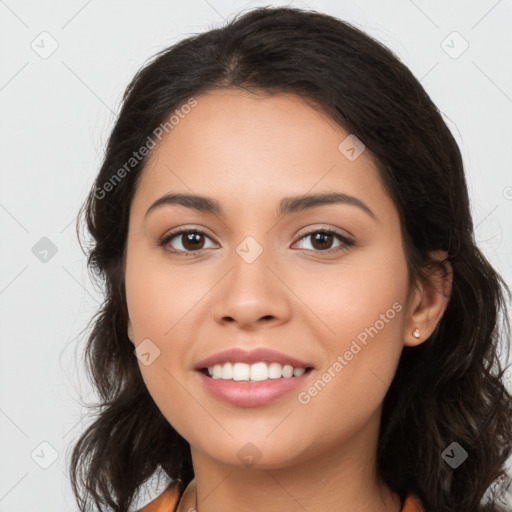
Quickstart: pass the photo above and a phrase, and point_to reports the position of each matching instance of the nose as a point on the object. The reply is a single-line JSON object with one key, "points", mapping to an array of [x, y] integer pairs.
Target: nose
{"points": [[254, 291]]}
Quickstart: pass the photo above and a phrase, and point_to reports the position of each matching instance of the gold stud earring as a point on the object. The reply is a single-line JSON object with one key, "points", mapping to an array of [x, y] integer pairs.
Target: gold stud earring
{"points": [[416, 333]]}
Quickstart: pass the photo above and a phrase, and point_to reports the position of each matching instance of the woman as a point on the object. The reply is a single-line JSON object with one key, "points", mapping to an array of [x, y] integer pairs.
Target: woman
{"points": [[296, 314]]}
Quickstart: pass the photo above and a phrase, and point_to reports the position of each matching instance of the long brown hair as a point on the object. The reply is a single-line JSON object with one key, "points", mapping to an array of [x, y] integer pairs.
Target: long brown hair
{"points": [[448, 389]]}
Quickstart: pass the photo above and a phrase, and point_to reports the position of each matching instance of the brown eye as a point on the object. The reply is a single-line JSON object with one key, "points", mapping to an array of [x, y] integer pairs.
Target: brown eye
{"points": [[323, 239], [185, 241], [192, 241]]}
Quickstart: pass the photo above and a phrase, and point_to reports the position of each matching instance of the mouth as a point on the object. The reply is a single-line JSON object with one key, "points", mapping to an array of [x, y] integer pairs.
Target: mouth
{"points": [[253, 378], [243, 391]]}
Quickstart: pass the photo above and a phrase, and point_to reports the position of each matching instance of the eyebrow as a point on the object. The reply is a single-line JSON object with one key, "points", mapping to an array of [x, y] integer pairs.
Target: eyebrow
{"points": [[287, 205]]}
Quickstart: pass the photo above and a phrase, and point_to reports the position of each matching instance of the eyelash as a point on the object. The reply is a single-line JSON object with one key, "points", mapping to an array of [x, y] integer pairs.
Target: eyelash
{"points": [[347, 242]]}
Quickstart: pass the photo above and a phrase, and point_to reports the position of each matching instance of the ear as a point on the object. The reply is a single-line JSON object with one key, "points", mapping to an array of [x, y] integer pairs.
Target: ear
{"points": [[130, 331], [428, 301]]}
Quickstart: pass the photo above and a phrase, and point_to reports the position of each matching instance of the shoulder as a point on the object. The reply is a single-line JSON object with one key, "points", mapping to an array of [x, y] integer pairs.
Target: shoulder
{"points": [[412, 504], [165, 502]]}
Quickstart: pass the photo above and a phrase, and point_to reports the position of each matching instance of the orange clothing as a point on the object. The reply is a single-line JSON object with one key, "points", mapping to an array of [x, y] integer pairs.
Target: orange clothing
{"points": [[165, 502], [168, 500]]}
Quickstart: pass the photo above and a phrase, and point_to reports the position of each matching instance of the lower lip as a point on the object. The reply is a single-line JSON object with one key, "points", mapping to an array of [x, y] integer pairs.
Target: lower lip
{"points": [[252, 394]]}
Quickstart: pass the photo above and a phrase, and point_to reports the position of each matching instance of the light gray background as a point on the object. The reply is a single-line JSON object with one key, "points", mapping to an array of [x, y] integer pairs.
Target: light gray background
{"points": [[56, 114]]}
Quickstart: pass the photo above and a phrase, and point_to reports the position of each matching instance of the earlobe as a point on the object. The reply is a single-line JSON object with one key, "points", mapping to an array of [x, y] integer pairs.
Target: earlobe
{"points": [[429, 301]]}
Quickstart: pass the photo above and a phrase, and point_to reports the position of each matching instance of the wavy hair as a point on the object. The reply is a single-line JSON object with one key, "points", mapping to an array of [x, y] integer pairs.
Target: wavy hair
{"points": [[448, 389]]}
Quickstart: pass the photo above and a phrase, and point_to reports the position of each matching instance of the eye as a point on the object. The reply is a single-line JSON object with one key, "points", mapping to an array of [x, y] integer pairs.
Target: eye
{"points": [[190, 240], [322, 239]]}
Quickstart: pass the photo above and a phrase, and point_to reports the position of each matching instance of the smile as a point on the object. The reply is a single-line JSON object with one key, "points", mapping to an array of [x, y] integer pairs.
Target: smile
{"points": [[253, 393]]}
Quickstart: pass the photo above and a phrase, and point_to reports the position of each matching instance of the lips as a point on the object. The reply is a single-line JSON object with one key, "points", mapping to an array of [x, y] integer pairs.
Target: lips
{"points": [[265, 355], [253, 394]]}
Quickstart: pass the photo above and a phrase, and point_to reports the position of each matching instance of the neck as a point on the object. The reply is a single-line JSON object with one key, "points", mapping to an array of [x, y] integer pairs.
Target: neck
{"points": [[342, 478]]}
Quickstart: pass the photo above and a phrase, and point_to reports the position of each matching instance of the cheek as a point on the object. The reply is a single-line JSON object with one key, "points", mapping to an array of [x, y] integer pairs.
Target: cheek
{"points": [[162, 302], [361, 305], [351, 296], [160, 296]]}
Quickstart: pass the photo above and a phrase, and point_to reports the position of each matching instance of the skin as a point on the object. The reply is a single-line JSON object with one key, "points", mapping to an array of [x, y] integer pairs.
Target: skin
{"points": [[249, 151]]}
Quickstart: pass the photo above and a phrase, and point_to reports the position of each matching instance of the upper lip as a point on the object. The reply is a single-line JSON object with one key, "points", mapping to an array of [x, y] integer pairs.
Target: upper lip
{"points": [[237, 355]]}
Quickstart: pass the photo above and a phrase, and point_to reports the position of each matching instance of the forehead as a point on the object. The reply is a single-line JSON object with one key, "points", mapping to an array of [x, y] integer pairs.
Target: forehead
{"points": [[245, 147]]}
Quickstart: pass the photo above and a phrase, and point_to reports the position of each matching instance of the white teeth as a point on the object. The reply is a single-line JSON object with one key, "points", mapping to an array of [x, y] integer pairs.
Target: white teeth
{"points": [[275, 370], [258, 371], [254, 372]]}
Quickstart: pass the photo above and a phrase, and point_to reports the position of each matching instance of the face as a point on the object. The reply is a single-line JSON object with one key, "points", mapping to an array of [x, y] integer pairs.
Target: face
{"points": [[263, 273]]}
